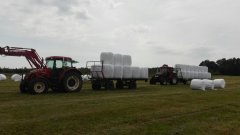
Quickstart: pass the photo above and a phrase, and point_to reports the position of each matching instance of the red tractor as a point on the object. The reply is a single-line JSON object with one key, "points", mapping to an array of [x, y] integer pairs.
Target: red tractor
{"points": [[57, 74], [165, 75]]}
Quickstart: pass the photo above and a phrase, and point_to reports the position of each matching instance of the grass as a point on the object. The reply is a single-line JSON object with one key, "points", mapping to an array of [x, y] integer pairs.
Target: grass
{"points": [[147, 110]]}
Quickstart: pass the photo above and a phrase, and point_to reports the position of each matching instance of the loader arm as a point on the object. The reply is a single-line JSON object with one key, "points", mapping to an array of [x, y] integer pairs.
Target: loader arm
{"points": [[31, 55]]}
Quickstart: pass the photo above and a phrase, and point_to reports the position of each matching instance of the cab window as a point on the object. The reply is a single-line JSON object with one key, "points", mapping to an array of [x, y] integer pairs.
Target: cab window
{"points": [[59, 64], [50, 64]]}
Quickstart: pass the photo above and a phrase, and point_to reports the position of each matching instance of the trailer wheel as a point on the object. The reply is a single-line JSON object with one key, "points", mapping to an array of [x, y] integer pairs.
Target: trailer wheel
{"points": [[96, 85], [184, 81], [38, 86], [119, 85], [72, 82], [132, 85], [153, 81], [109, 85], [23, 87]]}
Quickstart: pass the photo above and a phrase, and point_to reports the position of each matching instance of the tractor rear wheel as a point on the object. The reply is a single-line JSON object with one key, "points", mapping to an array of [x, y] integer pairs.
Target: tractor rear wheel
{"points": [[23, 87], [38, 86], [72, 82]]}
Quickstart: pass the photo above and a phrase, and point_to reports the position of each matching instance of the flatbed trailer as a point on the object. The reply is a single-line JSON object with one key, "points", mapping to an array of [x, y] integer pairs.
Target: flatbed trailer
{"points": [[99, 81]]}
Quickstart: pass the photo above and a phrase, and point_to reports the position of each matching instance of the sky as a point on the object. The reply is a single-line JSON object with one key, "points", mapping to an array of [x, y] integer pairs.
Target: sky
{"points": [[153, 32]]}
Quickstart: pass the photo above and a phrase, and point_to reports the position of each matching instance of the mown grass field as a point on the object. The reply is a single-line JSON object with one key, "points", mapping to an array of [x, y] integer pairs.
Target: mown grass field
{"points": [[147, 110]]}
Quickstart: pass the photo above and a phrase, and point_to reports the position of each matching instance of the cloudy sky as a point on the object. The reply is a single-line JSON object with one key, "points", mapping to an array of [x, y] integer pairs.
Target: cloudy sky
{"points": [[154, 32]]}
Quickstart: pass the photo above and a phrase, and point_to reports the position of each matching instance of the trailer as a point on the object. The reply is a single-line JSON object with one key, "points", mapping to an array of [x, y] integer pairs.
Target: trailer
{"points": [[99, 78]]}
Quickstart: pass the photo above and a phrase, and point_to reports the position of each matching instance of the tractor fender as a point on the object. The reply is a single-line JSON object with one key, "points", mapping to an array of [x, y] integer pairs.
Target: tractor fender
{"points": [[69, 71]]}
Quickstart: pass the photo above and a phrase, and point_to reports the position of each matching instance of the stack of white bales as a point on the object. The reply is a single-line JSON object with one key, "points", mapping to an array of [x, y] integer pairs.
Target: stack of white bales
{"points": [[117, 66], [193, 72], [3, 77], [206, 84]]}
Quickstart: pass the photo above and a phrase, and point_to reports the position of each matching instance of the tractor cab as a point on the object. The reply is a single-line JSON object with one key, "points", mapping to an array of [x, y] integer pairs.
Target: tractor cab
{"points": [[58, 65], [59, 62]]}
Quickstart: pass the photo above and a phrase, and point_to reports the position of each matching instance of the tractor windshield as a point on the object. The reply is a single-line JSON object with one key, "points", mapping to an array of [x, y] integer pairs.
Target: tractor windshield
{"points": [[55, 64], [50, 64]]}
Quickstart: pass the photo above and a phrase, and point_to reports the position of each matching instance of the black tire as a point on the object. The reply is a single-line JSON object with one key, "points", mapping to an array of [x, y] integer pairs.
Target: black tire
{"points": [[119, 85], [184, 81], [72, 82], [132, 85], [23, 87], [174, 81], [109, 85], [153, 81], [38, 86], [96, 85]]}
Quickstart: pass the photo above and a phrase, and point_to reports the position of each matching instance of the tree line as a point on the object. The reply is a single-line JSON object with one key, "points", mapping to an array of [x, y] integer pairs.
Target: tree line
{"points": [[223, 66]]}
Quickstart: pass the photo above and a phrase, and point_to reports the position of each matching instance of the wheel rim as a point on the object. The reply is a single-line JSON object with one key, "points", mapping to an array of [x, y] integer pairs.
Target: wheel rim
{"points": [[73, 83], [39, 87]]}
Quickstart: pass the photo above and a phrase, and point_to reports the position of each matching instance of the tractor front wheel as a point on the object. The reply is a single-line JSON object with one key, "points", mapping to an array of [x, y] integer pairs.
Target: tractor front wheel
{"points": [[38, 86], [72, 82]]}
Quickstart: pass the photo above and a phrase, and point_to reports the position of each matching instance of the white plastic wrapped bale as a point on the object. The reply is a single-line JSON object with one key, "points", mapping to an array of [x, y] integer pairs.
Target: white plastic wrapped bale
{"points": [[127, 60], [3, 77], [219, 83], [118, 71], [205, 69], [107, 58], [127, 72], [107, 71], [136, 73], [186, 75], [96, 69], [85, 78], [118, 59], [16, 77], [209, 84], [195, 75], [197, 84], [144, 73], [208, 75]]}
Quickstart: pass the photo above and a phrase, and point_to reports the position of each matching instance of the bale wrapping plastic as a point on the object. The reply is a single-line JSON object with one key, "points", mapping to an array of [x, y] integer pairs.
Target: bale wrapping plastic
{"points": [[105, 71], [127, 60], [197, 84], [136, 73], [118, 71], [127, 72], [2, 77], [107, 58], [219, 83], [144, 73], [118, 59], [16, 77], [209, 84]]}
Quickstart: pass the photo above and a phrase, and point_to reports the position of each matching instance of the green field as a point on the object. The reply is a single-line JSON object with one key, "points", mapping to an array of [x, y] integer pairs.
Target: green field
{"points": [[147, 110]]}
